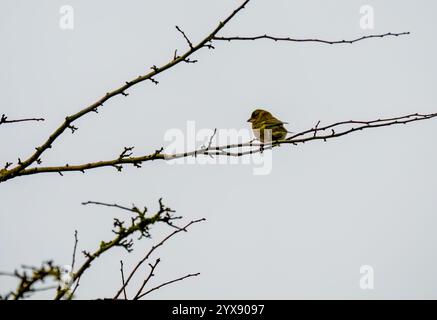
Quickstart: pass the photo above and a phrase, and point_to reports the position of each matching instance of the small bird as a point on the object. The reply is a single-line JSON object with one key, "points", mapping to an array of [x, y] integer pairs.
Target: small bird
{"points": [[262, 121]]}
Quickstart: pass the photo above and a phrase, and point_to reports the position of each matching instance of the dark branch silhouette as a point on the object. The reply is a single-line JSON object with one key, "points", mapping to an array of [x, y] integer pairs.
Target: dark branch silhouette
{"points": [[167, 283], [4, 119], [146, 257], [149, 276], [76, 240], [288, 39], [190, 44], [122, 279]]}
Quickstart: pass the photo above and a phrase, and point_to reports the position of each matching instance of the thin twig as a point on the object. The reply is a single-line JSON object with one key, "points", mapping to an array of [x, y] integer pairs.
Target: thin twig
{"points": [[122, 279], [185, 36], [113, 205], [210, 139], [288, 39], [43, 289], [315, 128], [75, 288], [4, 119], [74, 250]]}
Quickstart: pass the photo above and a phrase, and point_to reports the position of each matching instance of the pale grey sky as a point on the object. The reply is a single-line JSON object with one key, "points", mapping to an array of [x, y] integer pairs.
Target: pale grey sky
{"points": [[302, 231]]}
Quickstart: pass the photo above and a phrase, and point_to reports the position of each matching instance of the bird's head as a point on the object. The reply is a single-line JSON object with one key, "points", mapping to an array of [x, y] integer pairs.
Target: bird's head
{"points": [[259, 114]]}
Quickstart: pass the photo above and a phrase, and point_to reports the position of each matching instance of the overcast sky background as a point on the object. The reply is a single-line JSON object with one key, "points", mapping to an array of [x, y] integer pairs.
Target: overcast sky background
{"points": [[302, 231]]}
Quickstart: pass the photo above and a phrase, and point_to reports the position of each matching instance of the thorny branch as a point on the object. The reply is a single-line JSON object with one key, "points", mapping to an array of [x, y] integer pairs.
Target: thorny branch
{"points": [[24, 167]]}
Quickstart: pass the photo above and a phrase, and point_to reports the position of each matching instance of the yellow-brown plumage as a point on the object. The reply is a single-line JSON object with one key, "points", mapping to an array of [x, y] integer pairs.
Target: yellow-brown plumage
{"points": [[266, 127]]}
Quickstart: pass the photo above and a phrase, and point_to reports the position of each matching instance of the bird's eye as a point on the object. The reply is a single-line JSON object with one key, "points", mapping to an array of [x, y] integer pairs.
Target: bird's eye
{"points": [[254, 114]]}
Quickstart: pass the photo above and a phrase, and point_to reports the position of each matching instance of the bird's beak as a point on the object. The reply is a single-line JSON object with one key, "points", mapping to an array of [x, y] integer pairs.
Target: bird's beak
{"points": [[250, 120]]}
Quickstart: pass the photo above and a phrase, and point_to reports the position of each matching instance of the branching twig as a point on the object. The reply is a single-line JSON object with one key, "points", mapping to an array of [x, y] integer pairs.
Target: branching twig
{"points": [[169, 282], [150, 275]]}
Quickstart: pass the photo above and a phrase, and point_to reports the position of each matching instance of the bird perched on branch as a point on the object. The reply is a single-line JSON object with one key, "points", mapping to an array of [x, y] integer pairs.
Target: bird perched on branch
{"points": [[266, 127]]}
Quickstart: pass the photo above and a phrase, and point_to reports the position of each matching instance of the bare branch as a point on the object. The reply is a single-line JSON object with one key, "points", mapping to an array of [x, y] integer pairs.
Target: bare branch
{"points": [[288, 39], [114, 205]]}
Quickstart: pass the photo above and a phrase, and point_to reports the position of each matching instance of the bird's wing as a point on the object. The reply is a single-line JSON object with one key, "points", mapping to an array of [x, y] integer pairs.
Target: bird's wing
{"points": [[271, 123]]}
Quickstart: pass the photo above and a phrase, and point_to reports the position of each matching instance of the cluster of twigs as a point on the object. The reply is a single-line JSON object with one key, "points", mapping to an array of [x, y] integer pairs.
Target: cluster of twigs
{"points": [[29, 277], [139, 223]]}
